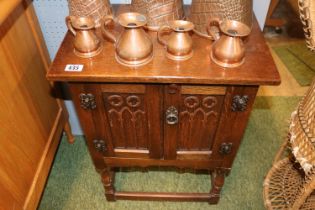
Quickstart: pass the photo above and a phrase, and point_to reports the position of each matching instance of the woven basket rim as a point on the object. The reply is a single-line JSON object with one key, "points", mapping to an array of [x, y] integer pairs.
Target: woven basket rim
{"points": [[307, 16]]}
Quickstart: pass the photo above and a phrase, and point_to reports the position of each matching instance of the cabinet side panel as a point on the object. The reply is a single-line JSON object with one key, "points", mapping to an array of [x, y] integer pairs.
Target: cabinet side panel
{"points": [[233, 123], [88, 122]]}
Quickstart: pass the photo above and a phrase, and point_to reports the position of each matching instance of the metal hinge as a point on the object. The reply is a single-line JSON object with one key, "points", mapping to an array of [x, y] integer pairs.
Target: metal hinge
{"points": [[226, 148], [99, 145], [239, 103], [87, 101]]}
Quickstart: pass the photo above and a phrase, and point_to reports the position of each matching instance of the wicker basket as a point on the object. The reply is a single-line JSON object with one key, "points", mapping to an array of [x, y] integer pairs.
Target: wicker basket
{"points": [[97, 9], [284, 186], [203, 10], [307, 113], [159, 12], [302, 131], [287, 186], [307, 15]]}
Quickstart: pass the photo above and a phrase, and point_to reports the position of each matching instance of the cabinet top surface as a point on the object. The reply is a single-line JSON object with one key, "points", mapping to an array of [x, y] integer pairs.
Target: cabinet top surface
{"points": [[258, 68]]}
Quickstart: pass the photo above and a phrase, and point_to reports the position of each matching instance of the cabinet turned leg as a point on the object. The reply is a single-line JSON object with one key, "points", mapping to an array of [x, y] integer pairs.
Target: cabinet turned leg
{"points": [[67, 129], [217, 182], [108, 177]]}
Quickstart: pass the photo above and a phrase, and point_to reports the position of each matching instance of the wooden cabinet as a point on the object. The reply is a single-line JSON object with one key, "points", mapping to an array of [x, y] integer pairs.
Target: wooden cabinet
{"points": [[189, 114], [187, 126], [134, 117], [31, 119]]}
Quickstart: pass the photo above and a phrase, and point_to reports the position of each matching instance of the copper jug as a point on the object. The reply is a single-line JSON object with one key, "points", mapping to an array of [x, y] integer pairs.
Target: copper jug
{"points": [[86, 43], [179, 45], [228, 49], [133, 46]]}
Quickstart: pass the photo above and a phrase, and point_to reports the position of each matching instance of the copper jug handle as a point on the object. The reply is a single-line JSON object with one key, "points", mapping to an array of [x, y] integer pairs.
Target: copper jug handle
{"points": [[161, 31], [213, 28], [69, 24], [106, 32]]}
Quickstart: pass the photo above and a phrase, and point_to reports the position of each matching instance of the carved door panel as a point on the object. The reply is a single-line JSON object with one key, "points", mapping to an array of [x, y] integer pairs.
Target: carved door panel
{"points": [[131, 116], [120, 120], [198, 109]]}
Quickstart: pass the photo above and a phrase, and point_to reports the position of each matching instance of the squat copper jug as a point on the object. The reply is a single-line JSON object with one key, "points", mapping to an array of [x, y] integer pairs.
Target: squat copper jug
{"points": [[133, 46], [228, 49], [86, 43], [179, 45]]}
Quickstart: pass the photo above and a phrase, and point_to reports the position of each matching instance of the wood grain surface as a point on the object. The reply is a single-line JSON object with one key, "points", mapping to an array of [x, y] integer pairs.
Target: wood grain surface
{"points": [[6, 7], [31, 119]]}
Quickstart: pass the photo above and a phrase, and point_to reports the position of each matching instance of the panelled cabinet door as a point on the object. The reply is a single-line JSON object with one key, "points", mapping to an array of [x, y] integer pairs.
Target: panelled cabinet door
{"points": [[198, 109], [126, 119]]}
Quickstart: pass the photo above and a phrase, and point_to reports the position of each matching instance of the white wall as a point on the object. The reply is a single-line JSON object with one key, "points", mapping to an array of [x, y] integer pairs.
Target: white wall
{"points": [[51, 14], [260, 9]]}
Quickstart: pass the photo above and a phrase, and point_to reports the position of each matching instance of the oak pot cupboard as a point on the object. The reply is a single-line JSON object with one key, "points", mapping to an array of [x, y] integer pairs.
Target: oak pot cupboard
{"points": [[189, 114]]}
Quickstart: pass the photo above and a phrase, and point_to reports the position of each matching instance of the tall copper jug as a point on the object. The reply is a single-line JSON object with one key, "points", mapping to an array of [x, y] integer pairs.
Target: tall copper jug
{"points": [[228, 49], [133, 46], [86, 43]]}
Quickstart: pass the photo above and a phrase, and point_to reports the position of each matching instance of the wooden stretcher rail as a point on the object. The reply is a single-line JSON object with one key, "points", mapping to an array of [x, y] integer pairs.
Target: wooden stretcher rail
{"points": [[163, 196]]}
